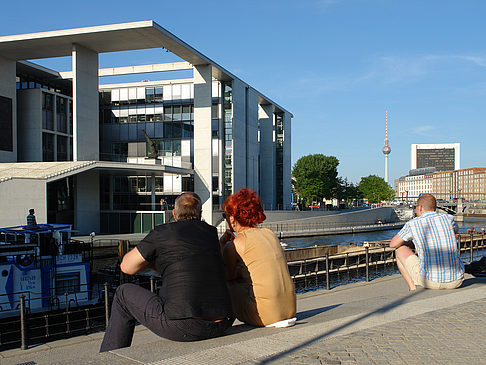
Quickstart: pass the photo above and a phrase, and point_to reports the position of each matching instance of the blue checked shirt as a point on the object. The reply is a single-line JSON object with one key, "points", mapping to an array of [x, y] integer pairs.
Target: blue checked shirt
{"points": [[435, 242]]}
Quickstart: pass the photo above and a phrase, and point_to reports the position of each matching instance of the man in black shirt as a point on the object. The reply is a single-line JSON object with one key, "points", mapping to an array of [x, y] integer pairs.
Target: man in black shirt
{"points": [[193, 301]]}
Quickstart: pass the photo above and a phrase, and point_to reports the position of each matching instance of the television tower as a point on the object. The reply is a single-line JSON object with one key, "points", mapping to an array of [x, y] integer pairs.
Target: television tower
{"points": [[386, 148]]}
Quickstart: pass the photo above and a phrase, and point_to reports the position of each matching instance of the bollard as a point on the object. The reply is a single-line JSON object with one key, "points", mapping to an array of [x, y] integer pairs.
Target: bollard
{"points": [[23, 324], [152, 284], [367, 263], [107, 309], [328, 286]]}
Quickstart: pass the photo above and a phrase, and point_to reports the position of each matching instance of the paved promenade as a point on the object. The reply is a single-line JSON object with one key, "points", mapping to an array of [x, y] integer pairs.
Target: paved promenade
{"points": [[380, 322]]}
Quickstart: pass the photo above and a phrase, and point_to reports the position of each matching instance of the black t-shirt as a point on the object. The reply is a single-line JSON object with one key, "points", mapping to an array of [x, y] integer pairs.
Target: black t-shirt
{"points": [[187, 255]]}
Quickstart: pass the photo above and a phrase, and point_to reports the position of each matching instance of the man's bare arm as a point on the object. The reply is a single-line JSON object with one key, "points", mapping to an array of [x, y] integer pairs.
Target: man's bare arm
{"points": [[397, 241], [133, 262]]}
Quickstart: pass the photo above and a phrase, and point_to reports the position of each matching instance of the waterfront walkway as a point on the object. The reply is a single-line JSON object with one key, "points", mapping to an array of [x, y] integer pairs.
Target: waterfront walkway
{"points": [[379, 322]]}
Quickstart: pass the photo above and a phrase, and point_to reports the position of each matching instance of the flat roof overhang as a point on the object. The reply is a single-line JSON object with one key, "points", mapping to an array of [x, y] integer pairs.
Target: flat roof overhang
{"points": [[108, 38], [52, 171]]}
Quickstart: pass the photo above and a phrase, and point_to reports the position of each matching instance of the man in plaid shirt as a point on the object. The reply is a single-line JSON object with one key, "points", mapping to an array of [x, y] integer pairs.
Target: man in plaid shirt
{"points": [[437, 263]]}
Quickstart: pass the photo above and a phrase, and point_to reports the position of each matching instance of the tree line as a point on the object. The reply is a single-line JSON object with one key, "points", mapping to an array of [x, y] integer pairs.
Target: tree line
{"points": [[315, 177]]}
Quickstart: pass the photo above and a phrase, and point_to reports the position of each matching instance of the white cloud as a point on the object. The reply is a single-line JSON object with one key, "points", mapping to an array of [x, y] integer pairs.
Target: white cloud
{"points": [[424, 129]]}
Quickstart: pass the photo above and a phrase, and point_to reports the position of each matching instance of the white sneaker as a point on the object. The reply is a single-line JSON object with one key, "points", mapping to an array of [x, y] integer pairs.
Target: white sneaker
{"points": [[282, 324]]}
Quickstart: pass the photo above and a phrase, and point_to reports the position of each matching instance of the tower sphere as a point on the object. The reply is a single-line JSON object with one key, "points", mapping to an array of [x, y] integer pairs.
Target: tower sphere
{"points": [[386, 150]]}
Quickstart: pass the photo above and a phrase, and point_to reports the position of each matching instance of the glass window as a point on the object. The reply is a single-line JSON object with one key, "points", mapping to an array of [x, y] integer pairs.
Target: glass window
{"points": [[47, 111], [168, 130], [62, 148], [150, 95], [159, 183], [176, 148], [168, 113], [142, 187], [177, 130], [186, 112], [47, 147], [187, 130], [176, 112], [158, 97]]}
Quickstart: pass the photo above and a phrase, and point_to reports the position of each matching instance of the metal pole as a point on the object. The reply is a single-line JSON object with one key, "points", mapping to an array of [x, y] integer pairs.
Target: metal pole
{"points": [[23, 324], [107, 309], [367, 264], [67, 313], [471, 248], [328, 286]]}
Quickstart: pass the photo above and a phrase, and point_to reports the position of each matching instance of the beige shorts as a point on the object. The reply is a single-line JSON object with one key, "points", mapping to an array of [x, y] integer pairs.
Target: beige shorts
{"points": [[412, 264]]}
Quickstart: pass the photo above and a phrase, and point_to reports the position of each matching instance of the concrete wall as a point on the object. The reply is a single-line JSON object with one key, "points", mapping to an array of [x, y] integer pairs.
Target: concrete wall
{"points": [[87, 203], [29, 102], [267, 156], [287, 163], [20, 195], [8, 89], [85, 104], [368, 216]]}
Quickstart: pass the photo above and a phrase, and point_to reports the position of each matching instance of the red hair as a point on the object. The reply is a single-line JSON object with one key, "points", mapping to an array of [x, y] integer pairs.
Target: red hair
{"points": [[246, 207]]}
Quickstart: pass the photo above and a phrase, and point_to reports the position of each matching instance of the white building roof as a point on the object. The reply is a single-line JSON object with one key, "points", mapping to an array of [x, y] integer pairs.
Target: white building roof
{"points": [[51, 171]]}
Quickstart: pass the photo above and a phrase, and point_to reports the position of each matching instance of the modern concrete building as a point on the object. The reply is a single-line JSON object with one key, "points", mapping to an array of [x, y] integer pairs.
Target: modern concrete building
{"points": [[443, 156], [102, 156]]}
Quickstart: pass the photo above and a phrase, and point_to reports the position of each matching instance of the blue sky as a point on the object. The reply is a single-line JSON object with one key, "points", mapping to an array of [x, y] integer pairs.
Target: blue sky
{"points": [[335, 64]]}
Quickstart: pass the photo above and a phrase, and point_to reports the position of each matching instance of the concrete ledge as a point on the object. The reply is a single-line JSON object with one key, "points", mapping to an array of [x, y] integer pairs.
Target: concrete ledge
{"points": [[322, 315]]}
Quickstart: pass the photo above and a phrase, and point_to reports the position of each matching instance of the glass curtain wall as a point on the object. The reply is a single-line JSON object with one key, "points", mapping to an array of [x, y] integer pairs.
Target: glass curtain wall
{"points": [[279, 140]]}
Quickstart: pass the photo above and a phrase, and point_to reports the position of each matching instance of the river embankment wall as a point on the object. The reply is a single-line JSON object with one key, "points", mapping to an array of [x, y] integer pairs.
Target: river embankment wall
{"points": [[359, 217]]}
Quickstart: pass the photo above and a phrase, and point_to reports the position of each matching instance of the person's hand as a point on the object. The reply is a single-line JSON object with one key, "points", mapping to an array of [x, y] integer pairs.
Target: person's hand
{"points": [[226, 237]]}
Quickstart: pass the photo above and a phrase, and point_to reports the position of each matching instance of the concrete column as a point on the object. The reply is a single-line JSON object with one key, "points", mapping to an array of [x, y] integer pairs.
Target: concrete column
{"points": [[152, 193], [8, 72], [85, 104], [287, 162], [203, 146], [87, 203], [239, 135], [252, 148], [267, 156]]}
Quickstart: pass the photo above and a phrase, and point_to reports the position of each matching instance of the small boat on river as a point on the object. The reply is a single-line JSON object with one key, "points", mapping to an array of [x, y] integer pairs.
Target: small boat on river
{"points": [[46, 266]]}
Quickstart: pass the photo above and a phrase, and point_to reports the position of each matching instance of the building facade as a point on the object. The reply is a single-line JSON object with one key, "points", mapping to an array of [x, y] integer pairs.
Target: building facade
{"points": [[443, 156], [105, 155], [468, 184]]}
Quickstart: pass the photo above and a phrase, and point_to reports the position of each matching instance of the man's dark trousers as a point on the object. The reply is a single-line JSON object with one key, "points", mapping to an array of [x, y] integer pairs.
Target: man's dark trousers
{"points": [[133, 303]]}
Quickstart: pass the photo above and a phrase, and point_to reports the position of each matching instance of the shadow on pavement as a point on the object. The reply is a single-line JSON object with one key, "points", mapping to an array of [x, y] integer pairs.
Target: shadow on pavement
{"points": [[472, 281], [352, 322], [314, 312]]}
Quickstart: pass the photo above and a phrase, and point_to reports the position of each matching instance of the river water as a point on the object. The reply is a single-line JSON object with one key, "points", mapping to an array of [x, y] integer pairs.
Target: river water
{"points": [[344, 239]]}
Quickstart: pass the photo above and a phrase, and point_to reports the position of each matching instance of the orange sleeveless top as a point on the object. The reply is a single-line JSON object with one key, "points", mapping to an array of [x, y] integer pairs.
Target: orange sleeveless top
{"points": [[266, 270]]}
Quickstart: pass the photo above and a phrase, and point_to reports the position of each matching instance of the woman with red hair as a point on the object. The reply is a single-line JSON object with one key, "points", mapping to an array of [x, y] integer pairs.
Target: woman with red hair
{"points": [[262, 292]]}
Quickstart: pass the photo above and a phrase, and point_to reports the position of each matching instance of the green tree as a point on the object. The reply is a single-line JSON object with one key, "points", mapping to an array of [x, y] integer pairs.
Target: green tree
{"points": [[375, 189], [348, 191], [315, 177]]}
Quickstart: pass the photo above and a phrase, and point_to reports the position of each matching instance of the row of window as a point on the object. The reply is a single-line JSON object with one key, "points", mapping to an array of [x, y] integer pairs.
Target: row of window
{"points": [[139, 114], [63, 118], [56, 147], [122, 150]]}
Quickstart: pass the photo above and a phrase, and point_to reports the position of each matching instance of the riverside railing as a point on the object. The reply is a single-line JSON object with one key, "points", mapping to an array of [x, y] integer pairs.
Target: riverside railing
{"points": [[69, 317]]}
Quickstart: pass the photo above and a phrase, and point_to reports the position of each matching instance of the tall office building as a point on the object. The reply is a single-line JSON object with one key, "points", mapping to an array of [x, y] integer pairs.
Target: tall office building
{"points": [[101, 157], [443, 157]]}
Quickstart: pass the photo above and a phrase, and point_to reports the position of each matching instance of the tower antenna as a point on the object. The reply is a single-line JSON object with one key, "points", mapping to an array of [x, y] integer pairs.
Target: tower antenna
{"points": [[386, 148]]}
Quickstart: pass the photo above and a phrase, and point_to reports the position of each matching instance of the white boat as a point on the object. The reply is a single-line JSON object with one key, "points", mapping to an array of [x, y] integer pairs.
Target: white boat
{"points": [[44, 265]]}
